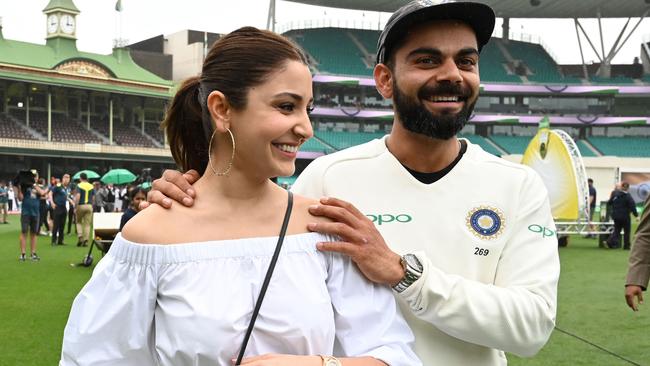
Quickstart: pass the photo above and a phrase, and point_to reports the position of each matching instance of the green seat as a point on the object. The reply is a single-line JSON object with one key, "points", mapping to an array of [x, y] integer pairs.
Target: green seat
{"points": [[622, 146]]}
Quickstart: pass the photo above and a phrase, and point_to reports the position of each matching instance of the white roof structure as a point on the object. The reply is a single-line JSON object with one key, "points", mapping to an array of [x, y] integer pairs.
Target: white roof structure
{"points": [[516, 8]]}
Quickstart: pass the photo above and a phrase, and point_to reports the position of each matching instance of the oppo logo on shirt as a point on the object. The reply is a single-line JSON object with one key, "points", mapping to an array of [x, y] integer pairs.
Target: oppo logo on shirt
{"points": [[381, 219]]}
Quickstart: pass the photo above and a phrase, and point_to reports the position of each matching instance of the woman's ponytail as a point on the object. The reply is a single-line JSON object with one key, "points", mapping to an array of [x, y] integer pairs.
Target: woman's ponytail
{"points": [[183, 125]]}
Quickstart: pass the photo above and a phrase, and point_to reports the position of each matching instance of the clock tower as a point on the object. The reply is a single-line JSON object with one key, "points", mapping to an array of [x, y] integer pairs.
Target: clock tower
{"points": [[61, 20]]}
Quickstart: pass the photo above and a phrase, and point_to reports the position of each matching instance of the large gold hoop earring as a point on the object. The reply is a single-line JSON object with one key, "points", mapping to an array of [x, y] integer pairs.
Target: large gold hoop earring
{"points": [[232, 157]]}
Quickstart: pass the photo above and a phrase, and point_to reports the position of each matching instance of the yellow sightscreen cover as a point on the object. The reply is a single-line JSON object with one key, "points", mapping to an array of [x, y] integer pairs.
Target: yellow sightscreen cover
{"points": [[549, 156]]}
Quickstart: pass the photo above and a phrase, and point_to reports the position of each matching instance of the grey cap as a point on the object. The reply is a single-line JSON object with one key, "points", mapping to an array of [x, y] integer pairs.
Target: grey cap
{"points": [[478, 16]]}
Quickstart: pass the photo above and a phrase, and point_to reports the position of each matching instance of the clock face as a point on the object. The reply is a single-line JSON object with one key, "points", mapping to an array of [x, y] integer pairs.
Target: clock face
{"points": [[67, 24], [52, 23]]}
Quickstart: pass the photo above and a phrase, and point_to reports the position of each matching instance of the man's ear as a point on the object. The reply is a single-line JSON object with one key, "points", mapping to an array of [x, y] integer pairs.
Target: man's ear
{"points": [[384, 80], [219, 110]]}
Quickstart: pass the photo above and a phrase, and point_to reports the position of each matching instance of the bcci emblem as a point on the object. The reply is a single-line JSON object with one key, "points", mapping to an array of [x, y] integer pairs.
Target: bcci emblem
{"points": [[485, 222]]}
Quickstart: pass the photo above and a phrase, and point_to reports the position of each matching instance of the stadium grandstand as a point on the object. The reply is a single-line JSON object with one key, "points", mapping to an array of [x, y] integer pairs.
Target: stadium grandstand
{"points": [[65, 110]]}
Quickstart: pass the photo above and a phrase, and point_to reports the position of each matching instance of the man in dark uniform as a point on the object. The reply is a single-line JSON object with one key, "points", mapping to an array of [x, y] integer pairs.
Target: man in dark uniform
{"points": [[621, 205], [59, 196]]}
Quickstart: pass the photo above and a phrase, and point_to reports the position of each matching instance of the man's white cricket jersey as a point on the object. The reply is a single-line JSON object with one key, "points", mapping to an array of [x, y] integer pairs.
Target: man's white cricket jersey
{"points": [[485, 235]]}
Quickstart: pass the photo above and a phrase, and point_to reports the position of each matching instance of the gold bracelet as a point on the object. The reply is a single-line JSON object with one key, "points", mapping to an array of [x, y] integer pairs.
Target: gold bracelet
{"points": [[330, 361]]}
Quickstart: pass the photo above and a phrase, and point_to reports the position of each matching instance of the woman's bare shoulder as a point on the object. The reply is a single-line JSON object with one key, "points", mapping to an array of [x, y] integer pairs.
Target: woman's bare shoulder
{"points": [[301, 212], [153, 225]]}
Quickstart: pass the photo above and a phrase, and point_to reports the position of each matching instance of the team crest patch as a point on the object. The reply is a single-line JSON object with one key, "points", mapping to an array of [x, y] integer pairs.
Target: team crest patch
{"points": [[485, 222]]}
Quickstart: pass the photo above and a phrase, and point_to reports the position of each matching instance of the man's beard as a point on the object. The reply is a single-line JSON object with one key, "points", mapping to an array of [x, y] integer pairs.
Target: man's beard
{"points": [[416, 118]]}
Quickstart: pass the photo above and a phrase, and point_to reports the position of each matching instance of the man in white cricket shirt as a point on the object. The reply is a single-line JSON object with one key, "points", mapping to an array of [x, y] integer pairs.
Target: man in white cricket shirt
{"points": [[465, 239]]}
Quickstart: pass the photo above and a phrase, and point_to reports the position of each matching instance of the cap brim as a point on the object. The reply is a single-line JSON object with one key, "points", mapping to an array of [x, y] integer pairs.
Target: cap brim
{"points": [[477, 15]]}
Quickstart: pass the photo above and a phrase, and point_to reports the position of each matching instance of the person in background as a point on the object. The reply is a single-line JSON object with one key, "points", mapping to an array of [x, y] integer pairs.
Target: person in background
{"points": [[638, 272], [137, 196], [29, 215], [592, 206], [11, 196], [72, 216], [59, 198], [622, 205], [118, 199], [124, 195], [4, 199], [84, 200], [43, 208], [99, 197], [109, 198]]}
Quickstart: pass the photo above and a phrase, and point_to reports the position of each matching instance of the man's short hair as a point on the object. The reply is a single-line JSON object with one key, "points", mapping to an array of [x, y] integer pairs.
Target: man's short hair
{"points": [[83, 176], [590, 180]]}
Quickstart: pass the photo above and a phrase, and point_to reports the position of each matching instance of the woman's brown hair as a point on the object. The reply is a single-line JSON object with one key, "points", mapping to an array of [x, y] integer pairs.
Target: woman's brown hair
{"points": [[237, 62]]}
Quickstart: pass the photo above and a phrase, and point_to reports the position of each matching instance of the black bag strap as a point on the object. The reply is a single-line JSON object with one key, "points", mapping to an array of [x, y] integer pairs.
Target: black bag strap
{"points": [[267, 279]]}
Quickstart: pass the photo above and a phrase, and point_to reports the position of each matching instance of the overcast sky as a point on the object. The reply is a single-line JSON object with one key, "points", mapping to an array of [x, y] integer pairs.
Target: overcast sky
{"points": [[99, 23]]}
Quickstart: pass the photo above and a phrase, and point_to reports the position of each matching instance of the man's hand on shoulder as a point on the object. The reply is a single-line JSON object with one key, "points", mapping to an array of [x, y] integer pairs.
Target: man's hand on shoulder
{"points": [[173, 185], [360, 240]]}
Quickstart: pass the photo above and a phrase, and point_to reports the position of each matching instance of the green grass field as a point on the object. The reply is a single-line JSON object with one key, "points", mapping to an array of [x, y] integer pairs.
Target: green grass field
{"points": [[35, 299]]}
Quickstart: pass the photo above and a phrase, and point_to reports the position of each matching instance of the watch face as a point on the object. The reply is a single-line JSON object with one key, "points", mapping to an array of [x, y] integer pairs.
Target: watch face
{"points": [[52, 23], [67, 24]]}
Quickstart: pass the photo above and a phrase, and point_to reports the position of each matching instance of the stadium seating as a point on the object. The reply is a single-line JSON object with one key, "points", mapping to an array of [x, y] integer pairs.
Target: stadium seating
{"points": [[343, 140], [482, 142], [314, 145], [122, 134], [63, 129], [368, 38], [622, 146], [334, 51], [9, 129], [512, 144], [492, 64], [585, 151], [611, 81], [153, 130], [543, 67]]}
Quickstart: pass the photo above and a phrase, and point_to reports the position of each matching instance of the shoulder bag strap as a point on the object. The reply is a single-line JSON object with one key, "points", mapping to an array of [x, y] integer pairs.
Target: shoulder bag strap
{"points": [[267, 279]]}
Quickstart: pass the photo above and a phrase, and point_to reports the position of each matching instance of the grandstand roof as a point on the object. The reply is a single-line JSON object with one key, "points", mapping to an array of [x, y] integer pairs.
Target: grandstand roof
{"points": [[47, 64], [515, 8]]}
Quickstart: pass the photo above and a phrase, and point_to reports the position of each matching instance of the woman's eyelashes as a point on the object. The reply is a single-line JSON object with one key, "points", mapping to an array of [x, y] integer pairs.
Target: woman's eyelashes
{"points": [[290, 107]]}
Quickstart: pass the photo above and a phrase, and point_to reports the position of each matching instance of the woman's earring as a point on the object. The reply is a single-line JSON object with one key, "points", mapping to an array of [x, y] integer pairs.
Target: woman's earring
{"points": [[232, 157]]}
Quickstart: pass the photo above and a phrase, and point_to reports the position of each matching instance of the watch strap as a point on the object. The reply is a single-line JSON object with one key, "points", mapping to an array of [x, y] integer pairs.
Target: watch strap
{"points": [[330, 361], [413, 270]]}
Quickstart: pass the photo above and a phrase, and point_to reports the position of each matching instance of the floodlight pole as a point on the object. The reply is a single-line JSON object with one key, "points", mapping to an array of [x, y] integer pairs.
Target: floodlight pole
{"points": [[270, 20], [582, 55], [589, 40]]}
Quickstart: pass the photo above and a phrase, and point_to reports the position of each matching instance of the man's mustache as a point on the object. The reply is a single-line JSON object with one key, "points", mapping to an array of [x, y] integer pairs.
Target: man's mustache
{"points": [[426, 92]]}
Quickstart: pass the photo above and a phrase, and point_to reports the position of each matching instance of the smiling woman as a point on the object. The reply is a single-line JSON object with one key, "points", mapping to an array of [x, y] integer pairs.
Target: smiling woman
{"points": [[183, 283]]}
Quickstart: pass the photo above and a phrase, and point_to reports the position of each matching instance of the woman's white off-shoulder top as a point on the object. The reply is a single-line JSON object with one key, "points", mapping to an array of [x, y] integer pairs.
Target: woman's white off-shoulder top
{"points": [[190, 304]]}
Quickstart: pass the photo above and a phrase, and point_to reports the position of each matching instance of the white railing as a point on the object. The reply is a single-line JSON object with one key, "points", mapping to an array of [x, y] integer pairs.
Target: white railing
{"points": [[90, 148]]}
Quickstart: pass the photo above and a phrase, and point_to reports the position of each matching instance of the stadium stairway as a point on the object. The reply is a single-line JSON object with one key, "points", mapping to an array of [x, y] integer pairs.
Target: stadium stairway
{"points": [[368, 58], [587, 149], [98, 135], [31, 132]]}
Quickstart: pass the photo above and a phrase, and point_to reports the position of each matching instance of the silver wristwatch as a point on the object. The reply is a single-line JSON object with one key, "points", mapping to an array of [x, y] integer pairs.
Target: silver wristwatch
{"points": [[412, 272]]}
